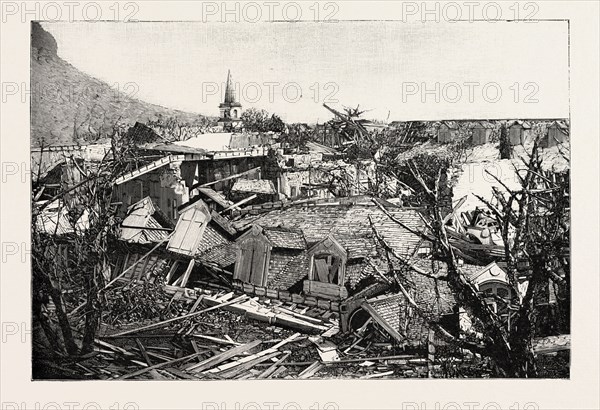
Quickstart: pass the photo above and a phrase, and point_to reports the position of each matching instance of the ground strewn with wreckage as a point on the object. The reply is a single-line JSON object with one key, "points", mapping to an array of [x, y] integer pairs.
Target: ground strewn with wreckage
{"points": [[226, 344]]}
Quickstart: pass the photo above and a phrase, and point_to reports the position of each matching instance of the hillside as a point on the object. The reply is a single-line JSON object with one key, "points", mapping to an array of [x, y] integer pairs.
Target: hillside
{"points": [[69, 106]]}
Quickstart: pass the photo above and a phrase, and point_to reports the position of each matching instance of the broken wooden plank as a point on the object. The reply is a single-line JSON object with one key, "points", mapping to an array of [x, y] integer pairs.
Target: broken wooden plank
{"points": [[237, 204], [164, 322], [220, 358], [143, 351], [360, 339], [216, 339], [310, 370], [181, 374], [188, 272], [113, 347], [268, 351], [241, 174], [277, 372], [327, 350], [269, 372], [357, 360], [156, 366], [377, 375], [298, 315], [248, 365]]}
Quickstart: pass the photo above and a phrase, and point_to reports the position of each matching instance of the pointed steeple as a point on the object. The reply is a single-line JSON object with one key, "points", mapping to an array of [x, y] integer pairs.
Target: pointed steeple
{"points": [[230, 97], [230, 110]]}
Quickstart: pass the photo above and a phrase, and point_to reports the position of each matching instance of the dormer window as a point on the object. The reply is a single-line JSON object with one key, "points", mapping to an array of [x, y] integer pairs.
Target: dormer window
{"points": [[264, 253], [497, 296], [327, 270]]}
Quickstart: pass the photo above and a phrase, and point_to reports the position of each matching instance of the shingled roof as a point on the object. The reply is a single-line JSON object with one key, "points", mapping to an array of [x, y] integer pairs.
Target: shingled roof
{"points": [[395, 314], [285, 238], [349, 224], [287, 268], [222, 255]]}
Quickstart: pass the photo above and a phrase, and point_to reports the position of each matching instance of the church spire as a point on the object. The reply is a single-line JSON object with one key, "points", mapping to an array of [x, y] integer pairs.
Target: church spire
{"points": [[230, 97], [230, 109]]}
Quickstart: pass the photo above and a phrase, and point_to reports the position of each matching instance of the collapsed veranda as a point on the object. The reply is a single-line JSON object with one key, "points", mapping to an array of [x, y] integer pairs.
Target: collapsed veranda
{"points": [[294, 238]]}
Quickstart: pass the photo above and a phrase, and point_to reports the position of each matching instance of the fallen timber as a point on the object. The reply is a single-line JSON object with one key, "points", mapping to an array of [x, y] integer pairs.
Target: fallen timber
{"points": [[474, 251], [254, 310]]}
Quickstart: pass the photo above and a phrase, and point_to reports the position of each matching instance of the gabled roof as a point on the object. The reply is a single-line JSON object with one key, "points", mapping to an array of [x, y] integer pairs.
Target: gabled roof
{"points": [[560, 125], [522, 123], [143, 214], [142, 134], [453, 125], [329, 242], [255, 186]]}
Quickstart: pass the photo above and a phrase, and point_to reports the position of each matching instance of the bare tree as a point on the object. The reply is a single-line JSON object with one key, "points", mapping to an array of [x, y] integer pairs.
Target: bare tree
{"points": [[71, 263], [534, 222]]}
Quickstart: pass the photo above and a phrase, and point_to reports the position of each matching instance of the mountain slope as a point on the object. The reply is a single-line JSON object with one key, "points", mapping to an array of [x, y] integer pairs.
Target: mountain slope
{"points": [[69, 106]]}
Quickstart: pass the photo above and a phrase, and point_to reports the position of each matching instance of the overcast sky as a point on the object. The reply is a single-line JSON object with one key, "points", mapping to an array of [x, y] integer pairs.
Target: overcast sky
{"points": [[396, 70]]}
